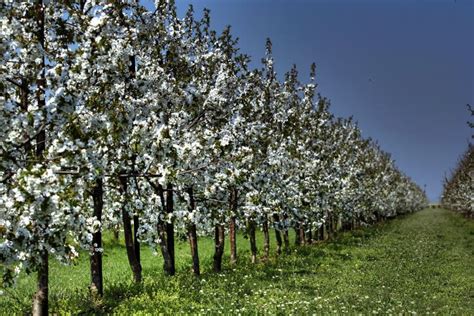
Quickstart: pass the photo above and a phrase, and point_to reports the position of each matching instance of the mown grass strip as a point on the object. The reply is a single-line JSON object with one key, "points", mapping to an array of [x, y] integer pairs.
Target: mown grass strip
{"points": [[419, 263]]}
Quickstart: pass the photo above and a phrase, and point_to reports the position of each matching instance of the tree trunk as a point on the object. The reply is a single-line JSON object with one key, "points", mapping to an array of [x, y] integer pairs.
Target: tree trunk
{"points": [[192, 235], [339, 223], [232, 226], [170, 228], [161, 228], [310, 235], [266, 239], [232, 240], [128, 235], [253, 242], [24, 92], [41, 81], [97, 288], [330, 226], [116, 232], [219, 238], [302, 235], [276, 220], [286, 240], [322, 232], [297, 237], [167, 264], [40, 300], [346, 225], [136, 243]]}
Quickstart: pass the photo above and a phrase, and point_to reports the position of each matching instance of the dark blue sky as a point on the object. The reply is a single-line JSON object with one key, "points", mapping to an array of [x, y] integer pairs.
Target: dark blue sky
{"points": [[403, 68]]}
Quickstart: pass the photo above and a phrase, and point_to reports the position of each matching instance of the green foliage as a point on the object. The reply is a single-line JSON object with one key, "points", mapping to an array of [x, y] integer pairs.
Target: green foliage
{"points": [[419, 263]]}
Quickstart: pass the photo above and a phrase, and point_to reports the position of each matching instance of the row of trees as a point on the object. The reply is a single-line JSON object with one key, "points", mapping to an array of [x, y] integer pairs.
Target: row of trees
{"points": [[116, 116], [459, 187]]}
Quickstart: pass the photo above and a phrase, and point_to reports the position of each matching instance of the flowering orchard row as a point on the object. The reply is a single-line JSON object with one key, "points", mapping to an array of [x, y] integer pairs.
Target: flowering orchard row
{"points": [[458, 189], [116, 116]]}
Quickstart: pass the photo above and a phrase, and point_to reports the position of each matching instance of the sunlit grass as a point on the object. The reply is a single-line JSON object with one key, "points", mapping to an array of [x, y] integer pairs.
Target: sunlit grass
{"points": [[422, 263]]}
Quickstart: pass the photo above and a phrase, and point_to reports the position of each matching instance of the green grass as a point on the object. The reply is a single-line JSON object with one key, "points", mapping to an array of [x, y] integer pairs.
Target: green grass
{"points": [[421, 263]]}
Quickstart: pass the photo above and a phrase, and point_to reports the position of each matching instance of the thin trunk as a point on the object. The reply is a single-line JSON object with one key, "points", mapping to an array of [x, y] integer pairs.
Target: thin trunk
{"points": [[339, 223], [168, 267], [286, 240], [194, 248], [302, 235], [24, 92], [310, 235], [192, 235], [136, 224], [330, 226], [97, 287], [253, 242], [346, 225], [297, 237], [116, 232], [136, 243], [276, 220], [232, 226], [232, 240], [40, 300], [41, 82], [219, 238], [167, 264], [129, 245], [128, 236], [170, 228], [322, 232], [356, 223], [266, 239]]}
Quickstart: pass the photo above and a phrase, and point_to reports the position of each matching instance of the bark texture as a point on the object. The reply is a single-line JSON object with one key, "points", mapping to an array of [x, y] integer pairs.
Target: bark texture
{"points": [[253, 242], [97, 287], [219, 239], [286, 241], [309, 238], [170, 229], [232, 225], [276, 220], [266, 239], [192, 236], [162, 229], [302, 235], [133, 260], [40, 300], [297, 237]]}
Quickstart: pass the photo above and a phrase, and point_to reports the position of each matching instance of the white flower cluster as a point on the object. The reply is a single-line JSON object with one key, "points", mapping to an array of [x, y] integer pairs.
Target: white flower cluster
{"points": [[458, 189]]}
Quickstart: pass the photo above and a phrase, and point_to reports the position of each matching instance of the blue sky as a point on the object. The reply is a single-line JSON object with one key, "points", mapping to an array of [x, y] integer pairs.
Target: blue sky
{"points": [[403, 68]]}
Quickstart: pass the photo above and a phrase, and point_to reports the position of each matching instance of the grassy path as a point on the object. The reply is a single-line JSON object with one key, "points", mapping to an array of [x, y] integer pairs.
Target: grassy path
{"points": [[421, 263]]}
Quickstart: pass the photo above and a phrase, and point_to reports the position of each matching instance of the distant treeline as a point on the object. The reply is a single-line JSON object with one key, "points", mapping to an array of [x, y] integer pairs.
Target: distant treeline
{"points": [[458, 189]]}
